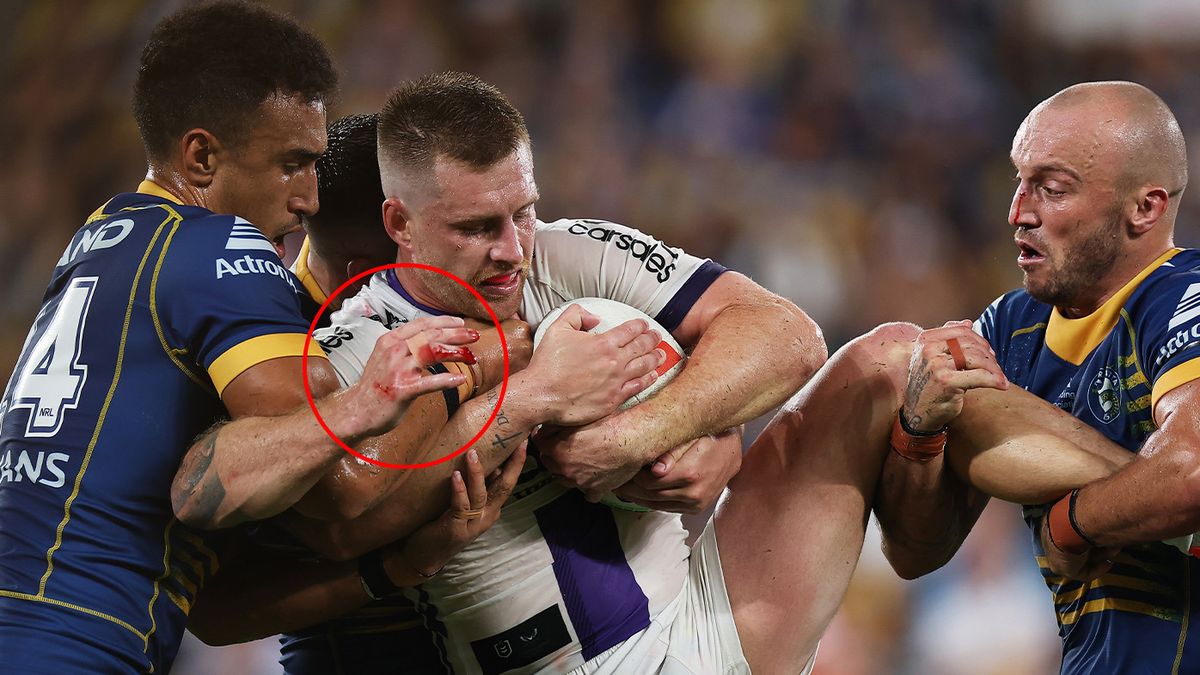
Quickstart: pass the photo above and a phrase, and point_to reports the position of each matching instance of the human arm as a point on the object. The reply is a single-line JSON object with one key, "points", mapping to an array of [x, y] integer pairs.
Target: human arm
{"points": [[573, 378], [687, 479], [751, 349], [262, 593], [1157, 494], [352, 486], [925, 510], [274, 450]]}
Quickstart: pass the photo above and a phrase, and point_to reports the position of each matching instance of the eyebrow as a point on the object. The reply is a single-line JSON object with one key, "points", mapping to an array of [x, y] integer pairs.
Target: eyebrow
{"points": [[1057, 168], [487, 220], [302, 155]]}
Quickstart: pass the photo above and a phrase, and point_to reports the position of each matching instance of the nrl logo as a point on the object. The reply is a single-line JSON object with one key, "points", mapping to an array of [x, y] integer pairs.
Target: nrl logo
{"points": [[1105, 395]]}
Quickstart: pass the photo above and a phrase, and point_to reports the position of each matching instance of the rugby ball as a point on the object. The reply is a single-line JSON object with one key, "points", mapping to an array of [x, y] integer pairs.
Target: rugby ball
{"points": [[613, 314]]}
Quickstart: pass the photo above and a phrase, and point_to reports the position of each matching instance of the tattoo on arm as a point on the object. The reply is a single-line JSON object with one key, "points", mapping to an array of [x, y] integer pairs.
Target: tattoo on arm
{"points": [[200, 491], [916, 386], [500, 439]]}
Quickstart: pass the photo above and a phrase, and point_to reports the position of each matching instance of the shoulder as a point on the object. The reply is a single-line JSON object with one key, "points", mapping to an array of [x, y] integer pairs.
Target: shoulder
{"points": [[226, 251], [1174, 285]]}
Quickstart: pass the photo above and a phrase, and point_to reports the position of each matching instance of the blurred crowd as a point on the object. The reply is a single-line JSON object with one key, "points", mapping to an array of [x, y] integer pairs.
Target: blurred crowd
{"points": [[848, 154]]}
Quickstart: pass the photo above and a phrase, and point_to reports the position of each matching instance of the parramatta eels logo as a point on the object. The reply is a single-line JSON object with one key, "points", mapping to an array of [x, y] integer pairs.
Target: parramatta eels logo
{"points": [[1105, 395]]}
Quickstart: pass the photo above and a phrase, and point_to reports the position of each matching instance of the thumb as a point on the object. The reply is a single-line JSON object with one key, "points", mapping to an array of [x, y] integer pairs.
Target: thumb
{"points": [[578, 318], [663, 465]]}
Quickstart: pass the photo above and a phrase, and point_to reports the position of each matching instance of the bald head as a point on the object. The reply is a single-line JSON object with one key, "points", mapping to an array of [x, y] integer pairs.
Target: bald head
{"points": [[1135, 123]]}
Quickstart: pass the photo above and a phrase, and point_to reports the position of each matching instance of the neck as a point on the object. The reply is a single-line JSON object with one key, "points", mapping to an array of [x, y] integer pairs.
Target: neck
{"points": [[175, 184], [411, 282], [1122, 272]]}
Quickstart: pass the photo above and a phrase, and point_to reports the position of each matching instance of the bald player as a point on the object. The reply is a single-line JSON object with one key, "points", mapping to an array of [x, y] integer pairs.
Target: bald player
{"points": [[1106, 329]]}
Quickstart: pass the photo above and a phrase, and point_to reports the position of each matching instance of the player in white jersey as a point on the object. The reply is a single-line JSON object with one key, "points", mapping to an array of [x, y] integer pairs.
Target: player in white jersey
{"points": [[528, 574], [461, 197]]}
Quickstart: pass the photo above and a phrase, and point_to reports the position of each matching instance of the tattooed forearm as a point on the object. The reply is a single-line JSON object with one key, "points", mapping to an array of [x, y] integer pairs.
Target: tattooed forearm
{"points": [[502, 439], [197, 491], [916, 387]]}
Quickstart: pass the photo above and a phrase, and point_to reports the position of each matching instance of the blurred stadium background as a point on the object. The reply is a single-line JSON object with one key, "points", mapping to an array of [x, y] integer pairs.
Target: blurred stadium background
{"points": [[849, 154]]}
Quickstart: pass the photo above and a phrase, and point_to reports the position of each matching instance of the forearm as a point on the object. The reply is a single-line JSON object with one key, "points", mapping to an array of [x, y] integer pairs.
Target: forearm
{"points": [[352, 486], [925, 513], [426, 490], [749, 359], [256, 467], [1155, 497]]}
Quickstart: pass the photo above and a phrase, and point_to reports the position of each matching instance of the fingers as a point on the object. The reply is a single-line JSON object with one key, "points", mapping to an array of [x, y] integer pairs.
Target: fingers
{"points": [[459, 500], [638, 385], [476, 485], [956, 346], [661, 466], [646, 363], [956, 352], [632, 331], [576, 317], [502, 486], [407, 330], [427, 384]]}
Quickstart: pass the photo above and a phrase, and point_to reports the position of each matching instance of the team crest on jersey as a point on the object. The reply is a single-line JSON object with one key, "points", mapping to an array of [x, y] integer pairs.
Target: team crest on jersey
{"points": [[1104, 395]]}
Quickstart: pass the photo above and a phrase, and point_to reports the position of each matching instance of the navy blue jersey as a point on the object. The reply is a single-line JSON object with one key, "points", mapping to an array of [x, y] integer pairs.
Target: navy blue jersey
{"points": [[1109, 369], [152, 310]]}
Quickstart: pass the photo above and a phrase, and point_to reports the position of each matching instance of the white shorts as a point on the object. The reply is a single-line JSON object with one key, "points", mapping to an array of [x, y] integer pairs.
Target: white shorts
{"points": [[694, 635]]}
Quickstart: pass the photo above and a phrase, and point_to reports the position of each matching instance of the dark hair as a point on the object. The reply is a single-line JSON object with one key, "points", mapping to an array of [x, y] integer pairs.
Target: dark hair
{"points": [[452, 114], [212, 66], [350, 220]]}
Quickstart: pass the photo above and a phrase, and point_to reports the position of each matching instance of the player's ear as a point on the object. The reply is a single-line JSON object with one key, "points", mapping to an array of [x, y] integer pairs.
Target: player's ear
{"points": [[199, 150], [397, 222], [1152, 203]]}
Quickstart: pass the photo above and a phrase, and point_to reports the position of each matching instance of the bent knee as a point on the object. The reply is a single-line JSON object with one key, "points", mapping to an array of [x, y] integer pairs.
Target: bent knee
{"points": [[889, 345]]}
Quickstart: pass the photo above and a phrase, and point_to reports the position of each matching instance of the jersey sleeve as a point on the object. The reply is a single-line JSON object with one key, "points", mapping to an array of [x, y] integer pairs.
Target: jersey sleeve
{"points": [[596, 258], [226, 300], [1167, 333], [349, 342]]}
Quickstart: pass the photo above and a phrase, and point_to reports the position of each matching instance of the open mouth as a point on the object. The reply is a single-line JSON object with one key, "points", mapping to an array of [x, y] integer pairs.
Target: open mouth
{"points": [[1029, 255]]}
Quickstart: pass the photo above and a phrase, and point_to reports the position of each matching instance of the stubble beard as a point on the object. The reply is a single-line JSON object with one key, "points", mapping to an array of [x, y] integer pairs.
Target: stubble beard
{"points": [[1080, 267]]}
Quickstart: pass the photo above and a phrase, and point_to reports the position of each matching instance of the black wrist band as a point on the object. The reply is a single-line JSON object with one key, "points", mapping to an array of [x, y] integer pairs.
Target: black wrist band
{"points": [[1074, 522], [451, 394], [911, 432], [374, 578]]}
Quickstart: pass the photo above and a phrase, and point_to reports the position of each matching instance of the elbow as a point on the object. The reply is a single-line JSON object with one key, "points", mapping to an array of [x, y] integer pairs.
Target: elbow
{"points": [[809, 341]]}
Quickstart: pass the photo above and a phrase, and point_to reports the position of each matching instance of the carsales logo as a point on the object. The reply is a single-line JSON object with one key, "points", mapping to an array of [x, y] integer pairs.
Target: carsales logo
{"points": [[651, 252]]}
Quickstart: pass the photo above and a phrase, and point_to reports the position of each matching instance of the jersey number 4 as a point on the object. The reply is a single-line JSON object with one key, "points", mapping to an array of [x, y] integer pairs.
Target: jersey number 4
{"points": [[53, 377]]}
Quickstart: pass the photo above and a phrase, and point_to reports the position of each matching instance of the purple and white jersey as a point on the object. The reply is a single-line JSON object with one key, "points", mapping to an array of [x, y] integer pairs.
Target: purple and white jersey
{"points": [[557, 580]]}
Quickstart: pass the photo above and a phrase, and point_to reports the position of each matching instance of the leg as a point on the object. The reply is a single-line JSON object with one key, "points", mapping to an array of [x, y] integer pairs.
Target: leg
{"points": [[791, 527], [1019, 448]]}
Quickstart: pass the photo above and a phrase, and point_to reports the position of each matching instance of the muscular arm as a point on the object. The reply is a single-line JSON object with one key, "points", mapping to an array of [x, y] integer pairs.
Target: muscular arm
{"points": [[274, 451], [1002, 442], [353, 486], [1156, 496], [574, 378], [752, 349], [261, 592]]}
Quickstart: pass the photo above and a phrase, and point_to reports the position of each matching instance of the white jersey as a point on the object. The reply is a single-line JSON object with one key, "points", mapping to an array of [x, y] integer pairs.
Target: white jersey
{"points": [[557, 580]]}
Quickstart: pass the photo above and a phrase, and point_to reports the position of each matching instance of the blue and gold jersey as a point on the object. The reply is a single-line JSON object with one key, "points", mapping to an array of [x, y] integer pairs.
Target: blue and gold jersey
{"points": [[153, 309], [1109, 369]]}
